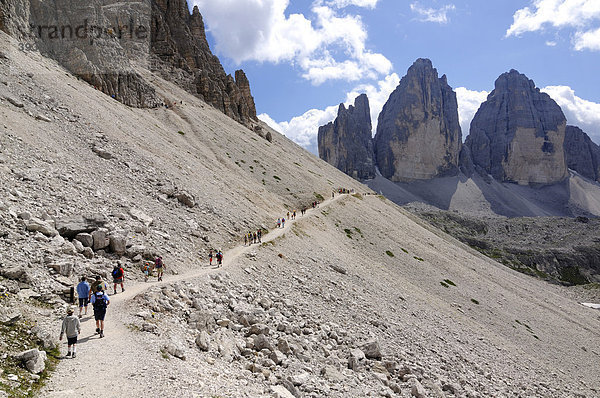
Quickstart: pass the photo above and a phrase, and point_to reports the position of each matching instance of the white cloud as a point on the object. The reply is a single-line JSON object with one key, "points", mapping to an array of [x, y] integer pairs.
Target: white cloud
{"points": [[589, 40], [581, 15], [551, 43], [359, 3], [331, 47], [579, 112], [439, 15], [468, 104], [304, 129]]}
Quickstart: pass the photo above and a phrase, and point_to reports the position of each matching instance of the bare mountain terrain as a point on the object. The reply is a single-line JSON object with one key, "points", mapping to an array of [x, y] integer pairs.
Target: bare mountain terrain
{"points": [[356, 298]]}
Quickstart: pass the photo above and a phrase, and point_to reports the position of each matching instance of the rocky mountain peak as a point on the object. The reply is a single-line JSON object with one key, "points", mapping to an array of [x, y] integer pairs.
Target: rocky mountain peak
{"points": [[581, 153], [418, 133], [517, 134], [346, 143]]}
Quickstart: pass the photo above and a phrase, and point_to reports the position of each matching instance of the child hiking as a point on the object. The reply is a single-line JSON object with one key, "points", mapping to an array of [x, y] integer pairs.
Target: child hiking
{"points": [[100, 301], [210, 257], [71, 327], [83, 292]]}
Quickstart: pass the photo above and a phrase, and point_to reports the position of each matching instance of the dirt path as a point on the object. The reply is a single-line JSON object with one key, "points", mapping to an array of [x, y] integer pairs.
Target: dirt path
{"points": [[120, 364]]}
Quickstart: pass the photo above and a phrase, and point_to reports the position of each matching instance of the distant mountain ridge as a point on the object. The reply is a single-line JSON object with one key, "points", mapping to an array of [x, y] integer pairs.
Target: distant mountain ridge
{"points": [[518, 136]]}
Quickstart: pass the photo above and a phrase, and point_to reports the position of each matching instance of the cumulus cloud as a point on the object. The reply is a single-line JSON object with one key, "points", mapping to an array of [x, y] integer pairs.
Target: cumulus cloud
{"points": [[579, 112], [331, 46], [304, 129], [439, 15], [581, 15], [468, 104]]}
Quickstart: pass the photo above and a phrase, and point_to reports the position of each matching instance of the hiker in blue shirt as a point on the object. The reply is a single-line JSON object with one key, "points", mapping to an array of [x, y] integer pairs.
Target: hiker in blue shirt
{"points": [[100, 301], [83, 291]]}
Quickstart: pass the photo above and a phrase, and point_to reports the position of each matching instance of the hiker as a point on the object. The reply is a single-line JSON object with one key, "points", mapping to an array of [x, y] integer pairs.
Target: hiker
{"points": [[210, 256], [146, 269], [83, 292], [259, 234], [279, 223], [100, 301], [245, 240], [294, 214], [288, 215], [72, 328], [283, 223], [159, 265], [254, 237], [118, 275], [98, 285], [219, 258]]}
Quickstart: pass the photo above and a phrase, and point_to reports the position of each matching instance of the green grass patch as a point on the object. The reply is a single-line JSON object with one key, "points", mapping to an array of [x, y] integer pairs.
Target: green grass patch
{"points": [[348, 233], [277, 178], [404, 250], [180, 132], [297, 164], [318, 196], [381, 197], [444, 284], [474, 301], [448, 281], [358, 196], [389, 253], [418, 258]]}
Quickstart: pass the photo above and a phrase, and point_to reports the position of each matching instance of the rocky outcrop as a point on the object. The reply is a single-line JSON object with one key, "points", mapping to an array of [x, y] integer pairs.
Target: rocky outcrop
{"points": [[582, 154], [517, 135], [418, 133], [181, 53], [104, 45], [347, 143]]}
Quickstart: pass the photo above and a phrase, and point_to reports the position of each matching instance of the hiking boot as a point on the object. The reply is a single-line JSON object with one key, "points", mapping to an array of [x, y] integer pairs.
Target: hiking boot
{"points": [[74, 355], [68, 355], [122, 289], [97, 330], [101, 333], [79, 316]]}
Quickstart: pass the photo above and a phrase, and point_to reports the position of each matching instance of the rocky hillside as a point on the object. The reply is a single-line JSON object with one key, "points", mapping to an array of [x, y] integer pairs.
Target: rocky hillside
{"points": [[356, 298], [104, 44], [418, 135], [346, 143]]}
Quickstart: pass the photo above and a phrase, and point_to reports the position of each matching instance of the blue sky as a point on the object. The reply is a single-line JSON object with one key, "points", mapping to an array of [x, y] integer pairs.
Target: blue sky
{"points": [[303, 58]]}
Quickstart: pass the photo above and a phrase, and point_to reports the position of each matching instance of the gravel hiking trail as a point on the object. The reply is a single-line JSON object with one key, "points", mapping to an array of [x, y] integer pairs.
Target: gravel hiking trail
{"points": [[121, 364]]}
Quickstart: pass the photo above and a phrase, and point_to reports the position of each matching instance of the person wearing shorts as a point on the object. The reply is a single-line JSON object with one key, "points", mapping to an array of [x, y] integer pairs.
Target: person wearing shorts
{"points": [[83, 292], [71, 327], [159, 265], [100, 301]]}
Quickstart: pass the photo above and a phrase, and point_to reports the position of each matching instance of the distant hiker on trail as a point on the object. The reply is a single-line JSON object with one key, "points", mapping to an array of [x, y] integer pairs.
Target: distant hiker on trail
{"points": [[279, 223], [210, 256], [283, 223], [147, 270], [288, 215], [71, 327], [160, 266], [294, 215], [83, 292], [259, 234], [245, 240], [100, 301], [98, 285], [254, 238], [219, 258], [118, 275]]}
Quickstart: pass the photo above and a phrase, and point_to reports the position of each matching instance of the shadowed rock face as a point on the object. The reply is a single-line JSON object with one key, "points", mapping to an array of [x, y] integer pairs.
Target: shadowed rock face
{"points": [[118, 36], [581, 153], [183, 56], [418, 133], [346, 143], [517, 135]]}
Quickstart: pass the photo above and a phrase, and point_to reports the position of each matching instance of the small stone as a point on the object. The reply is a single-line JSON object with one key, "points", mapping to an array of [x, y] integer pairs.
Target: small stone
{"points": [[417, 389], [34, 360], [372, 350], [203, 341]]}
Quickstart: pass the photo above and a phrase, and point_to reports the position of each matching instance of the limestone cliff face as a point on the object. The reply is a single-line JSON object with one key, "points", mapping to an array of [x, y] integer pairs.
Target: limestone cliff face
{"points": [[182, 55], [517, 135], [104, 41], [582, 154], [346, 143], [418, 133]]}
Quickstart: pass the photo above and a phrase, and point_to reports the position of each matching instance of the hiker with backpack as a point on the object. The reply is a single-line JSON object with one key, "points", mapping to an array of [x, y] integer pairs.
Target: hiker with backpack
{"points": [[83, 292], [118, 275], [72, 328], [219, 258], [283, 223], [159, 265], [147, 270], [100, 302], [98, 285]]}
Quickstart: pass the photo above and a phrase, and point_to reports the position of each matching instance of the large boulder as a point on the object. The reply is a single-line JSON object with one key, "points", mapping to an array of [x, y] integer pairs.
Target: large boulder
{"points": [[347, 143], [118, 244], [34, 360], [101, 239], [37, 225], [418, 132], [582, 154], [70, 227], [86, 239], [517, 135]]}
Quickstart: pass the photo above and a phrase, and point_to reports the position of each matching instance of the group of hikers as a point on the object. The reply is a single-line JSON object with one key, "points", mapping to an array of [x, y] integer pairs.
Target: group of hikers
{"points": [[218, 255], [253, 237]]}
